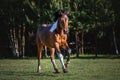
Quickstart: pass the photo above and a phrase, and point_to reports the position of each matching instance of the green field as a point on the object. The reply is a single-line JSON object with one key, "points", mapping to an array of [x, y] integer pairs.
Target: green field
{"points": [[84, 68]]}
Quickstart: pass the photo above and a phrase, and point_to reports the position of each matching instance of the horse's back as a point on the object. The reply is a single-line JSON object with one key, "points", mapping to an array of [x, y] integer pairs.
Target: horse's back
{"points": [[44, 27]]}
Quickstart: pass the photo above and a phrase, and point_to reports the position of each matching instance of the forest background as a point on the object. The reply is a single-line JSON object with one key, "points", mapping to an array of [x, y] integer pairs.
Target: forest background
{"points": [[93, 25]]}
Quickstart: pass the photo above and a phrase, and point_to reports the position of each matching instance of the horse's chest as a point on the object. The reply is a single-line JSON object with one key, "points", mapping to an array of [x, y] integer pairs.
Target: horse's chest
{"points": [[61, 39]]}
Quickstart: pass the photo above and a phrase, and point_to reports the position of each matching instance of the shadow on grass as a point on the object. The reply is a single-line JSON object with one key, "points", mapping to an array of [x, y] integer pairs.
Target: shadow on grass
{"points": [[83, 56], [97, 57], [21, 73]]}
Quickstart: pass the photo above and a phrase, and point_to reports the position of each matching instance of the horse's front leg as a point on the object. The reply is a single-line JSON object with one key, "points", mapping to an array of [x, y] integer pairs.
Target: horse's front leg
{"points": [[66, 47], [53, 60], [60, 56]]}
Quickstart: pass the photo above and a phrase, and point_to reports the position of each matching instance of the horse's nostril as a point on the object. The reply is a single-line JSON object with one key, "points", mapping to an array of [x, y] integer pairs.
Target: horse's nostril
{"points": [[66, 31]]}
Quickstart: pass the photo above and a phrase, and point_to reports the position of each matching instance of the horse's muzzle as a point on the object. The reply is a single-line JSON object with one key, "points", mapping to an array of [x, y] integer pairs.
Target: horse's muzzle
{"points": [[66, 31]]}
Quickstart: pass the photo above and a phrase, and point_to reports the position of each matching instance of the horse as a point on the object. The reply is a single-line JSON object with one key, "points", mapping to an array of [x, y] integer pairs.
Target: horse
{"points": [[54, 40]]}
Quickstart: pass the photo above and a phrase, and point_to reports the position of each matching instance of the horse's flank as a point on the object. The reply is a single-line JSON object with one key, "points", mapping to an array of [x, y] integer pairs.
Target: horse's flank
{"points": [[44, 37]]}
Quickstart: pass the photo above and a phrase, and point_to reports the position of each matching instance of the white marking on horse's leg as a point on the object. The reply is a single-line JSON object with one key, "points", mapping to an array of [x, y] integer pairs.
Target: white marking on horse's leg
{"points": [[60, 56], [53, 60], [54, 64], [69, 52], [39, 67]]}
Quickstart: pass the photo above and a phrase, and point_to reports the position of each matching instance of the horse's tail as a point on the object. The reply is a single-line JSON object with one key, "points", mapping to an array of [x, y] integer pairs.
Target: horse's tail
{"points": [[32, 38], [38, 42], [37, 35]]}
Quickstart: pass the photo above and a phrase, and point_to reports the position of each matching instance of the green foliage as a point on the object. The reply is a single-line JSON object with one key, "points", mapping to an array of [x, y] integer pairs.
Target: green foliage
{"points": [[84, 15]]}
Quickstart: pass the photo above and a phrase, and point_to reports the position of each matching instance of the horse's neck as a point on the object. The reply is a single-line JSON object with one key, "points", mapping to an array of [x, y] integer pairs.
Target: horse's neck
{"points": [[59, 31]]}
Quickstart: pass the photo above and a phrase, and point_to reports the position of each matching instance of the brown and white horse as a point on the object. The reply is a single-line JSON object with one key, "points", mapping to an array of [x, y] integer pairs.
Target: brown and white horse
{"points": [[54, 40]]}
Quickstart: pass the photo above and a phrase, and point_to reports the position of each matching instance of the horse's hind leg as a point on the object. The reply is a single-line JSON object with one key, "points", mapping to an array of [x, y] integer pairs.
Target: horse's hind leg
{"points": [[40, 46], [53, 60]]}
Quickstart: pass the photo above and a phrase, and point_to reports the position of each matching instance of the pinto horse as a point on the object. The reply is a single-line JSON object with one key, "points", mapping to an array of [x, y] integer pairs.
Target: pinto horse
{"points": [[54, 40]]}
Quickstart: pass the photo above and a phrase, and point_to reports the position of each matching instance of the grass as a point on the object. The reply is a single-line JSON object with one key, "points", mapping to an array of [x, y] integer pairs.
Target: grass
{"points": [[79, 69]]}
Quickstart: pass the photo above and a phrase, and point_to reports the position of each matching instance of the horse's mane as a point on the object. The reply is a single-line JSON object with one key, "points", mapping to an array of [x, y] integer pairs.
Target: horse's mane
{"points": [[59, 13]]}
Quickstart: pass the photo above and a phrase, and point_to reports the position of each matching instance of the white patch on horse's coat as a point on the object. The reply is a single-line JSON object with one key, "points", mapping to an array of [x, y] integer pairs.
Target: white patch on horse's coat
{"points": [[39, 68], [54, 26], [60, 56], [45, 25], [69, 50], [54, 64]]}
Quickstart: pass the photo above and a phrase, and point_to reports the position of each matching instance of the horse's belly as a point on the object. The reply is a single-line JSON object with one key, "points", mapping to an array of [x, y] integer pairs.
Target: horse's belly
{"points": [[49, 43]]}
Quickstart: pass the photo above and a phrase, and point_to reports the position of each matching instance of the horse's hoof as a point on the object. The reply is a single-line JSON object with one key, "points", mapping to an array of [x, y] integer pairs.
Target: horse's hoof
{"points": [[57, 71], [65, 70], [66, 65], [38, 71]]}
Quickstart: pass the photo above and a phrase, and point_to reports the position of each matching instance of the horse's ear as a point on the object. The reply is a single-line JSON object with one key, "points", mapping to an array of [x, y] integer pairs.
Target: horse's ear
{"points": [[56, 14], [66, 12], [59, 13]]}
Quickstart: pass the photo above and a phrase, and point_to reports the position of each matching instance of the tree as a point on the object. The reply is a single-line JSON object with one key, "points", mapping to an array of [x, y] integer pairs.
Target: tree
{"points": [[85, 16]]}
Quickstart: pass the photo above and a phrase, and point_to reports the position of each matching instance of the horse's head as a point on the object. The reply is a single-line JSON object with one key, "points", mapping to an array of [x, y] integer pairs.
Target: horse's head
{"points": [[62, 20]]}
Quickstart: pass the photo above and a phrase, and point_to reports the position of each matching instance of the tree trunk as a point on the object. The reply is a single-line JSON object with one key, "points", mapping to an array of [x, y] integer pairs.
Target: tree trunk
{"points": [[23, 41], [114, 37], [115, 43], [77, 50], [13, 42], [20, 41], [82, 43]]}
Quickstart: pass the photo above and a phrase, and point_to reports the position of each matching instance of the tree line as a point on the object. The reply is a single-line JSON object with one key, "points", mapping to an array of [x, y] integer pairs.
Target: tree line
{"points": [[94, 24]]}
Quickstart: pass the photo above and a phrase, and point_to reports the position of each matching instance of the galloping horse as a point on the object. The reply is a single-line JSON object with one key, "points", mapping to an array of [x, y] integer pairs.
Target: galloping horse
{"points": [[54, 40]]}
